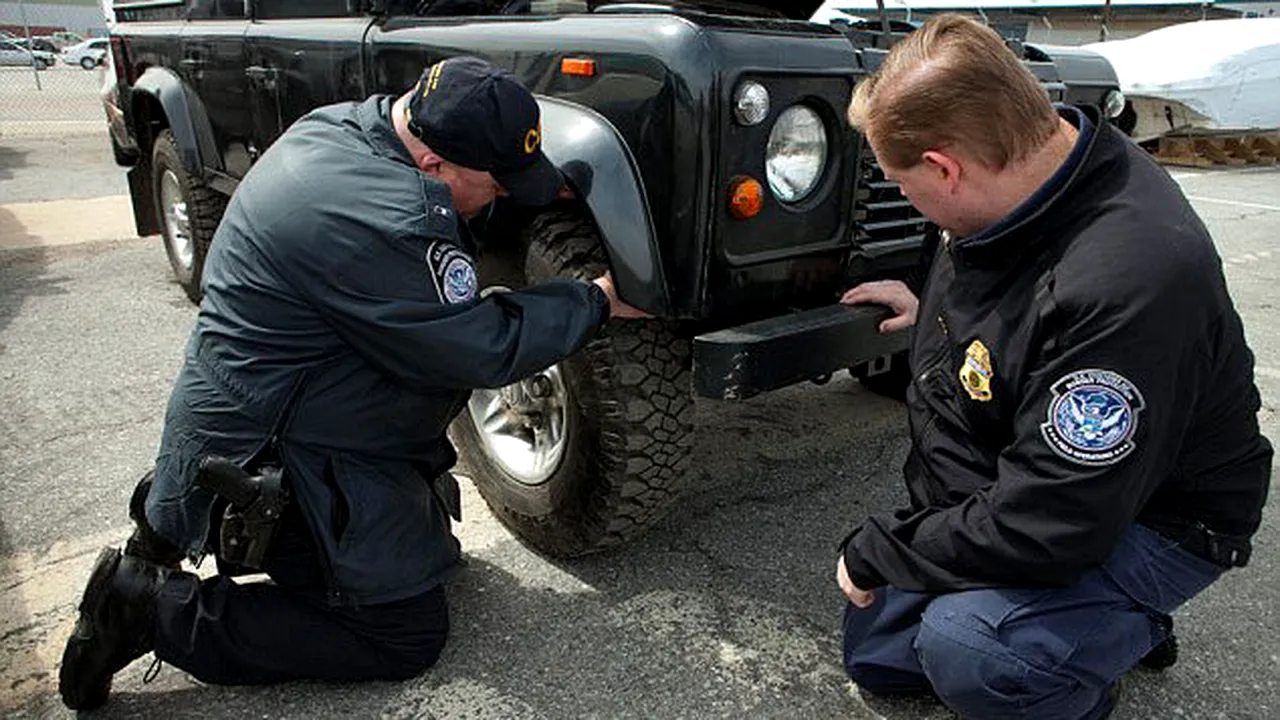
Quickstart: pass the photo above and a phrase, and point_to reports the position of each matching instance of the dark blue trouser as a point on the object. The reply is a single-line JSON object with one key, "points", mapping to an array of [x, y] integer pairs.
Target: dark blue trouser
{"points": [[1014, 653], [230, 633]]}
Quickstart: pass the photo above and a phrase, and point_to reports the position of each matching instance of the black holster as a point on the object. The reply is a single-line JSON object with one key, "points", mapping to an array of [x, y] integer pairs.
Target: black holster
{"points": [[254, 504], [1225, 550]]}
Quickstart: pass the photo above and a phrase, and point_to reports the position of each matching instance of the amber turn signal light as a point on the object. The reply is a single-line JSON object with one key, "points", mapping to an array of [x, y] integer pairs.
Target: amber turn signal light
{"points": [[746, 198], [582, 67]]}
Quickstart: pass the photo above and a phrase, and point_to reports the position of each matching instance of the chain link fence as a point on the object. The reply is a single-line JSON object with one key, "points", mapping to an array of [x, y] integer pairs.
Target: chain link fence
{"points": [[52, 68]]}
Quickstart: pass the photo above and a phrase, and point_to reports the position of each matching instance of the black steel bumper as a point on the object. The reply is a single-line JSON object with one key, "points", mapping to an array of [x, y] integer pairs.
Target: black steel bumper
{"points": [[740, 362]]}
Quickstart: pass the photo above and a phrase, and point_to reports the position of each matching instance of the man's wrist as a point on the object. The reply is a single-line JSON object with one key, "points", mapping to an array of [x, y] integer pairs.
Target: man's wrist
{"points": [[601, 299]]}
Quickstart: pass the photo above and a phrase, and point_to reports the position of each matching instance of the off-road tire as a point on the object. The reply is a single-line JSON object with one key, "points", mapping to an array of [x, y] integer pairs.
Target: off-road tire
{"points": [[629, 428], [204, 209]]}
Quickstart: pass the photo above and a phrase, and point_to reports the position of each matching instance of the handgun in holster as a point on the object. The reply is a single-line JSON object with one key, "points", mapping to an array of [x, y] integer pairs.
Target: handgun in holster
{"points": [[254, 506]]}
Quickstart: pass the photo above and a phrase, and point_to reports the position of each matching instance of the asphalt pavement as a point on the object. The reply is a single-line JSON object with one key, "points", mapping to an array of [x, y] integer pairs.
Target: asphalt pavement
{"points": [[54, 165], [727, 608]]}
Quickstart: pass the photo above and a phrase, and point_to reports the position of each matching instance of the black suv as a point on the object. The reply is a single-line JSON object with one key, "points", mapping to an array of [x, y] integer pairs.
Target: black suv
{"points": [[717, 178]]}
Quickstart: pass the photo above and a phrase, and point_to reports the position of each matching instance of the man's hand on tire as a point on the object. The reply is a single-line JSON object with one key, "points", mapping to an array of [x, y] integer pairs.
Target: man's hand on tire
{"points": [[617, 308], [893, 293]]}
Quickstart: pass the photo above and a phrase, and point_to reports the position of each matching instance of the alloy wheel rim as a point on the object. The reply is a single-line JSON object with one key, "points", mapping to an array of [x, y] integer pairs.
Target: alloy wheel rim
{"points": [[524, 426], [176, 220]]}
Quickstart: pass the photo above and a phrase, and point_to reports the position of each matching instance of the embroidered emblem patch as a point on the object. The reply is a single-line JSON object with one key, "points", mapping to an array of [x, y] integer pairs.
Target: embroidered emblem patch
{"points": [[1093, 417], [975, 373], [452, 272]]}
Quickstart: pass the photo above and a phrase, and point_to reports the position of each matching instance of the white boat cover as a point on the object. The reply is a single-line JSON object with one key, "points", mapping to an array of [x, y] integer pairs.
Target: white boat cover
{"points": [[1227, 71]]}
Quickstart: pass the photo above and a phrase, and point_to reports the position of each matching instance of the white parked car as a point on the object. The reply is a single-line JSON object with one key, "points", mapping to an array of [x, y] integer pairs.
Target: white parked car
{"points": [[88, 54], [13, 54]]}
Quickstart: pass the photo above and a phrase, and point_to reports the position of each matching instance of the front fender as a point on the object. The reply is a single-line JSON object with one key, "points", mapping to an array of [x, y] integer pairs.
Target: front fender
{"points": [[600, 168], [186, 115], [1086, 75]]}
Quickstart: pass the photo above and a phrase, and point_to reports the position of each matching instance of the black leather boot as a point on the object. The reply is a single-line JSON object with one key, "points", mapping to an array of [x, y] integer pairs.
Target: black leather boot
{"points": [[145, 542], [1161, 656], [116, 626], [1165, 654]]}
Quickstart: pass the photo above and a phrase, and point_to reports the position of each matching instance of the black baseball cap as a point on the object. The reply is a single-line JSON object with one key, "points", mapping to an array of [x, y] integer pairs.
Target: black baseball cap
{"points": [[480, 117]]}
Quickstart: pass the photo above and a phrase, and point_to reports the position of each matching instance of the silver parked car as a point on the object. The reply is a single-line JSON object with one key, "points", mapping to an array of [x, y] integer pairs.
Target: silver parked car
{"points": [[13, 54]]}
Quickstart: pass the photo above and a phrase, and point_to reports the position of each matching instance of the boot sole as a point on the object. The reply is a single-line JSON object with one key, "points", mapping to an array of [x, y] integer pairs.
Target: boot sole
{"points": [[78, 689]]}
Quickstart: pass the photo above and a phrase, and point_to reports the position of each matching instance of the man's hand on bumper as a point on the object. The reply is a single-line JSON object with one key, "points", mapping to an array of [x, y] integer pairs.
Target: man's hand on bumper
{"points": [[893, 293]]}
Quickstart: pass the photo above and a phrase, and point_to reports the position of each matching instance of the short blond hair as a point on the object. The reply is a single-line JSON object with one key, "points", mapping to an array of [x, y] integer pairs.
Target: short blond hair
{"points": [[953, 82]]}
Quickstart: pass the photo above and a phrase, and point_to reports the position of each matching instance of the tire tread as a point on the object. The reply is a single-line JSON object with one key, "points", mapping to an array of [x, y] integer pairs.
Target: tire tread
{"points": [[641, 374], [205, 206]]}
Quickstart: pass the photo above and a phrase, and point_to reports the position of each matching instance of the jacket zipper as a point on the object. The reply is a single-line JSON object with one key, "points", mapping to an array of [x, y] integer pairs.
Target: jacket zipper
{"points": [[941, 355]]}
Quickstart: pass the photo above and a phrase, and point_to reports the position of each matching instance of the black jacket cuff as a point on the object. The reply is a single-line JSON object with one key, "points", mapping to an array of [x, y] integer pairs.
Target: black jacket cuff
{"points": [[602, 304], [860, 572]]}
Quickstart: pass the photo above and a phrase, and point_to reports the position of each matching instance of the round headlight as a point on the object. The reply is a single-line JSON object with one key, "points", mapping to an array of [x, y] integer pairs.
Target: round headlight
{"points": [[797, 153], [750, 103], [1113, 103]]}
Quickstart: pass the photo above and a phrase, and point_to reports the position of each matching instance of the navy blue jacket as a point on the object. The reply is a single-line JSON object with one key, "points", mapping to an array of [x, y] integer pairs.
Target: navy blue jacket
{"points": [[341, 320], [1077, 368]]}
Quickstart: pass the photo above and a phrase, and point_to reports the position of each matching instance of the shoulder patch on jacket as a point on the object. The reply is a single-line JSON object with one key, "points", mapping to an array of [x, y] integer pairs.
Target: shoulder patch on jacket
{"points": [[452, 272], [1092, 417]]}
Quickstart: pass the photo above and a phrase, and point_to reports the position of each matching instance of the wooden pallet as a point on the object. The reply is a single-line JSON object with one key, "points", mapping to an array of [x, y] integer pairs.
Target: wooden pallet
{"points": [[1218, 150]]}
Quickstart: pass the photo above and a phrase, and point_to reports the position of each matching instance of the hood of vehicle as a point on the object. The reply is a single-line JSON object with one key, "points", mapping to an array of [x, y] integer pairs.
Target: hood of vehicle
{"points": [[799, 10]]}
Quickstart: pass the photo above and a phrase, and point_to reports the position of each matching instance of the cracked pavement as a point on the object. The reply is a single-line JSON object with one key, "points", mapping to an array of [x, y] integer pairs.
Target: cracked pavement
{"points": [[727, 608]]}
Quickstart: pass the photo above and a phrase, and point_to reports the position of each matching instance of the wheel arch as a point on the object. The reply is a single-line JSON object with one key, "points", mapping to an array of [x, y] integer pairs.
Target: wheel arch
{"points": [[600, 168], [159, 100]]}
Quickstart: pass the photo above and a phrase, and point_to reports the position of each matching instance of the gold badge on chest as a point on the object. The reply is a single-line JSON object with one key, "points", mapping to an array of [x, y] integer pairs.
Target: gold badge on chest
{"points": [[975, 374]]}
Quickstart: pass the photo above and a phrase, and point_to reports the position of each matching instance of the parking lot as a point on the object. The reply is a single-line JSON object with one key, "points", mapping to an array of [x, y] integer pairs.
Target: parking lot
{"points": [[727, 608], [56, 101]]}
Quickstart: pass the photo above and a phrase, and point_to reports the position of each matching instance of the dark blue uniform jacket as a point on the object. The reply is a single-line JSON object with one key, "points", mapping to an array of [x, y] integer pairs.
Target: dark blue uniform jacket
{"points": [[340, 316], [1078, 368]]}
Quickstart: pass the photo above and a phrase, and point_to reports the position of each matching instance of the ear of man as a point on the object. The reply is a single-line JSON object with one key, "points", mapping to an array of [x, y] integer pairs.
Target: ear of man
{"points": [[429, 163], [948, 167]]}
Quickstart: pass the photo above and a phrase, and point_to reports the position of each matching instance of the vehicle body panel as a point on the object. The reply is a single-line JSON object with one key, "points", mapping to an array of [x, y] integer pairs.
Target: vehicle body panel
{"points": [[649, 139]]}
